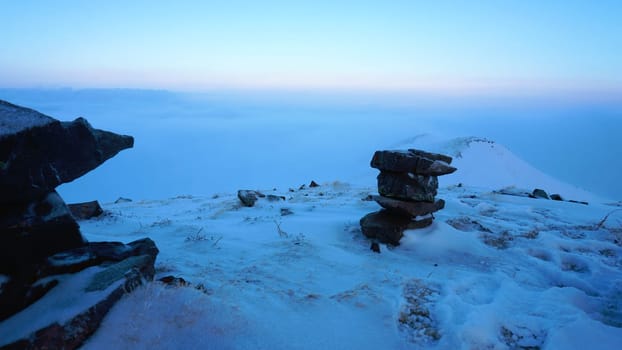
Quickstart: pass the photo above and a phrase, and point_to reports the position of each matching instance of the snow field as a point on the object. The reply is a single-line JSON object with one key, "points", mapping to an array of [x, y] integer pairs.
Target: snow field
{"points": [[317, 284]]}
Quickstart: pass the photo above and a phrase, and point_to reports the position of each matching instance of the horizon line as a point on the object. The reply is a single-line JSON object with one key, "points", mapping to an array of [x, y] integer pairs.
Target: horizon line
{"points": [[610, 93]]}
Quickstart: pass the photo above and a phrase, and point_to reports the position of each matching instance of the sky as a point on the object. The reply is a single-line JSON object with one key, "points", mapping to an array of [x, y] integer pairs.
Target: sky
{"points": [[451, 46]]}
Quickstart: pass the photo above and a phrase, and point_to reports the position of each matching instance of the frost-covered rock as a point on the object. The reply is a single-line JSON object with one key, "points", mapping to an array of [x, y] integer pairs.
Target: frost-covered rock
{"points": [[96, 253], [38, 153], [72, 311], [40, 241]]}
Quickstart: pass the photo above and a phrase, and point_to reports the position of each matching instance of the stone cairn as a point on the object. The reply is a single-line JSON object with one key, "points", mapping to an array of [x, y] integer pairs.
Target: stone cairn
{"points": [[407, 184], [40, 240]]}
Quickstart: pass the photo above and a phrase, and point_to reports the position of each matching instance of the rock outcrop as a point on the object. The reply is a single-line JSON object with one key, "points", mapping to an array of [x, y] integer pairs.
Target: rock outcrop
{"points": [[38, 153], [109, 269], [85, 210], [40, 241], [407, 184]]}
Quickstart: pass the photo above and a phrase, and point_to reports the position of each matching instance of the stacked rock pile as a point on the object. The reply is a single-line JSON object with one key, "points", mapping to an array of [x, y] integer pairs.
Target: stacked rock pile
{"points": [[40, 240], [407, 184]]}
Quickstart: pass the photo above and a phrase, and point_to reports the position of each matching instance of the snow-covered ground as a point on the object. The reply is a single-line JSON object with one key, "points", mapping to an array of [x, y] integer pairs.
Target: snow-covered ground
{"points": [[493, 272]]}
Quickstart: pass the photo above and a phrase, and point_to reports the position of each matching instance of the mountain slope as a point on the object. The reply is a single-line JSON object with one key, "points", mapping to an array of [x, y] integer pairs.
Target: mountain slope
{"points": [[489, 165]]}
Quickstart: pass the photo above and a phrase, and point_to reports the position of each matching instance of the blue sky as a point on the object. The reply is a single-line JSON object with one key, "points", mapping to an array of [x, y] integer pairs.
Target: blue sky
{"points": [[456, 46]]}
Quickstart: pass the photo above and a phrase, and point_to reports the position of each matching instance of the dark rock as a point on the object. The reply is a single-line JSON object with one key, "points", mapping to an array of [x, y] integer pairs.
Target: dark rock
{"points": [[174, 281], [578, 202], [39, 236], [115, 272], [313, 184], [388, 227], [18, 294], [96, 253], [410, 187], [409, 208], [38, 153], [85, 210], [122, 200], [368, 198], [410, 162], [74, 332], [274, 198], [425, 222], [146, 246], [90, 254], [286, 211], [375, 247], [302, 187], [556, 197], [23, 290], [247, 197], [539, 193], [31, 232]]}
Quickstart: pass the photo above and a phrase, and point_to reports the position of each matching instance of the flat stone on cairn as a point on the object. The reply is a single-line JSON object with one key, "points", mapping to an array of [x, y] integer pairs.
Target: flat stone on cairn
{"points": [[407, 184]]}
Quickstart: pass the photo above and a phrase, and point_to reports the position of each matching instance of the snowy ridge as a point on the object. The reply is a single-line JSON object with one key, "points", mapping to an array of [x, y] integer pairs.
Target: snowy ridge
{"points": [[490, 165]]}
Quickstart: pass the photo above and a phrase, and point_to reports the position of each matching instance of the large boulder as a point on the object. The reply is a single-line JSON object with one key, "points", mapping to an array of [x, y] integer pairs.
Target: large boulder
{"points": [[412, 161], [40, 242], [38, 153], [406, 186]]}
